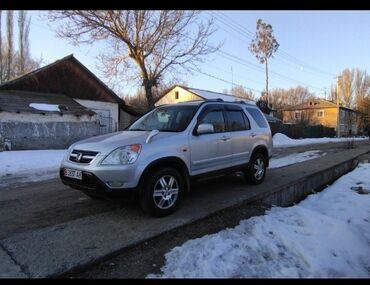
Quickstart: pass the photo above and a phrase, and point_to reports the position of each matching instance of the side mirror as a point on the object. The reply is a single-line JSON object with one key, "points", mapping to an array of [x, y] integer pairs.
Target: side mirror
{"points": [[205, 129]]}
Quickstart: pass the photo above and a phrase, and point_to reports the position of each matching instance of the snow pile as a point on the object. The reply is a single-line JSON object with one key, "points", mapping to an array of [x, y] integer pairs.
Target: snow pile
{"points": [[326, 235], [281, 140], [45, 107], [29, 165], [295, 158]]}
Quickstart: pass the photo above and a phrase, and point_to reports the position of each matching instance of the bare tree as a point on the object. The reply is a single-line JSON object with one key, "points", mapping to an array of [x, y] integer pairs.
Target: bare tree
{"points": [[24, 30], [284, 98], [13, 62], [9, 44], [362, 97], [346, 85], [150, 44], [240, 92], [263, 46]]}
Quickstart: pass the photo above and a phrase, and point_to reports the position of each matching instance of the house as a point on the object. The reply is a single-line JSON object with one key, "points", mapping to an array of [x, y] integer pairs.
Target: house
{"points": [[180, 93], [70, 77], [323, 112], [66, 82], [31, 120]]}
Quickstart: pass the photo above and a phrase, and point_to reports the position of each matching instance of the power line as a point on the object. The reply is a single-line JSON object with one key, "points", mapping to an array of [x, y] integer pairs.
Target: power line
{"points": [[224, 80], [261, 69], [282, 53]]}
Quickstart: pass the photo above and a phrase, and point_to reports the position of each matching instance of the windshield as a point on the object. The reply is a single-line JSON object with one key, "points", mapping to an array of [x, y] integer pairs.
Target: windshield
{"points": [[174, 118]]}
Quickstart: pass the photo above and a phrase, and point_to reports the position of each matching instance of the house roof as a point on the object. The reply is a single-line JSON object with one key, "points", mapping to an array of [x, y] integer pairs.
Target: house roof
{"points": [[207, 94], [316, 104], [20, 102], [66, 76]]}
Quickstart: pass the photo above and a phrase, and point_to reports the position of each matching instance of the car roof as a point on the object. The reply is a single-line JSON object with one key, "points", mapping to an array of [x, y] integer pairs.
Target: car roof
{"points": [[217, 101]]}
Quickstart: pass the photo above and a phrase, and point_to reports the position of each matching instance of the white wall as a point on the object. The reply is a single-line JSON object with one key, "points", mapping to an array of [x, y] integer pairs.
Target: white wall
{"points": [[105, 106], [184, 96], [39, 118]]}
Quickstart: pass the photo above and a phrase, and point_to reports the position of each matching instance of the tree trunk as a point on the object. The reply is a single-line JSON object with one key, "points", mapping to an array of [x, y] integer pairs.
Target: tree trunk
{"points": [[9, 48], [148, 92], [267, 84], [21, 26]]}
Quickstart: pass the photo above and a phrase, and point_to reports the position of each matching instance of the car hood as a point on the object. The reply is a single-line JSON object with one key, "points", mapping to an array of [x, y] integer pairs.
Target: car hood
{"points": [[109, 142]]}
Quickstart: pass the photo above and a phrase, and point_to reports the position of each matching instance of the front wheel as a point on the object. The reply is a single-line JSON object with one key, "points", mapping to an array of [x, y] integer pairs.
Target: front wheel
{"points": [[162, 192], [255, 173]]}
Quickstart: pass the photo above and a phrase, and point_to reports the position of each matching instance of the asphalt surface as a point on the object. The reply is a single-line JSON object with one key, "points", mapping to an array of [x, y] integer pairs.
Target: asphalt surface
{"points": [[47, 203], [50, 203]]}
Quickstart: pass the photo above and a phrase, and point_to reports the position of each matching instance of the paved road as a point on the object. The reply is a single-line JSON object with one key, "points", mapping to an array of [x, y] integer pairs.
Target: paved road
{"points": [[47, 203], [31, 218]]}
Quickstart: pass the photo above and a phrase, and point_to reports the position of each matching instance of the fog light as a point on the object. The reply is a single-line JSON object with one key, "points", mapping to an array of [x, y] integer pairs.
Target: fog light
{"points": [[115, 183]]}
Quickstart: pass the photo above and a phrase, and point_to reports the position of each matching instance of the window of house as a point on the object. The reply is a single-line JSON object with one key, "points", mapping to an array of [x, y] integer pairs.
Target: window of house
{"points": [[320, 114], [176, 94], [297, 115]]}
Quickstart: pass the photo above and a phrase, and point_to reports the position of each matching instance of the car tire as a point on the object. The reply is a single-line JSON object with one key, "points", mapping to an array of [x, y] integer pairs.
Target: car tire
{"points": [[256, 171], [162, 193]]}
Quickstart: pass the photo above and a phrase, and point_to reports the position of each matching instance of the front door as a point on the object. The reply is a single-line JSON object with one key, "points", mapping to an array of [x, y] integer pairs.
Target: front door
{"points": [[212, 151]]}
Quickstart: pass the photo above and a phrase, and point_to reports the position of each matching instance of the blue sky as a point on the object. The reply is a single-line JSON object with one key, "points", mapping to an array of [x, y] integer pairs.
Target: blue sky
{"points": [[314, 47]]}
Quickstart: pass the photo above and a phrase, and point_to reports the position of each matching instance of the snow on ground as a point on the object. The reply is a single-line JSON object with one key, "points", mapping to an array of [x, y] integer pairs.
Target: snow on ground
{"points": [[45, 107], [29, 165], [295, 158], [281, 140], [326, 235]]}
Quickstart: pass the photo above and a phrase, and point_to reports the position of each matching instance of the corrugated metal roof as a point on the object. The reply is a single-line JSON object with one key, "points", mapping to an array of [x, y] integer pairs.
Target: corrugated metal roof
{"points": [[206, 94], [19, 102]]}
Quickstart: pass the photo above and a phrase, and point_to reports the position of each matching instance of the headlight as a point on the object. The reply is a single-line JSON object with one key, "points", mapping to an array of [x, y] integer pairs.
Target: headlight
{"points": [[68, 152], [123, 155]]}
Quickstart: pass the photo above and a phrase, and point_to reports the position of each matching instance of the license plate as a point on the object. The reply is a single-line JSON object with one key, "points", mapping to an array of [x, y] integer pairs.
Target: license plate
{"points": [[71, 173]]}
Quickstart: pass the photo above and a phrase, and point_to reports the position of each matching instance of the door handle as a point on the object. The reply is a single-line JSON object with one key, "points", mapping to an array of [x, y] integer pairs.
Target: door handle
{"points": [[225, 138], [253, 135]]}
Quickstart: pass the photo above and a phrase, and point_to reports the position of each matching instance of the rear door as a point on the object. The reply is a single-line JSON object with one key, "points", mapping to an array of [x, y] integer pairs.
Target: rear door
{"points": [[242, 138]]}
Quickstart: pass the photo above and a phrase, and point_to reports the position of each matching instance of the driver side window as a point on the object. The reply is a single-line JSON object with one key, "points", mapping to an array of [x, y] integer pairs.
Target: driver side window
{"points": [[215, 118]]}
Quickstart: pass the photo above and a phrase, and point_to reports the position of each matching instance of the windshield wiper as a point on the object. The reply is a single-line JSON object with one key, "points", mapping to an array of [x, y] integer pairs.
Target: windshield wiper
{"points": [[138, 130]]}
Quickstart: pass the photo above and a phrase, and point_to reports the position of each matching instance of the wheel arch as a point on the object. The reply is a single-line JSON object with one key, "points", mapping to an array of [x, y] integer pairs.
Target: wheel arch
{"points": [[262, 149], [170, 161]]}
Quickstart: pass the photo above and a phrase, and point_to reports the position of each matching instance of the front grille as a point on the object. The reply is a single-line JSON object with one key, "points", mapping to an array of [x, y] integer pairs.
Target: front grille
{"points": [[82, 156]]}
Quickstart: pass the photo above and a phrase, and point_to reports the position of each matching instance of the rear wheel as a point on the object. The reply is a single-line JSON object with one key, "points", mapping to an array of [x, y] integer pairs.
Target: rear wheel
{"points": [[256, 171], [163, 192]]}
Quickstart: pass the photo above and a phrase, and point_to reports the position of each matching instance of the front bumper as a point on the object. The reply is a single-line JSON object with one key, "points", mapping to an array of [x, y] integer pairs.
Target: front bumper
{"points": [[91, 184]]}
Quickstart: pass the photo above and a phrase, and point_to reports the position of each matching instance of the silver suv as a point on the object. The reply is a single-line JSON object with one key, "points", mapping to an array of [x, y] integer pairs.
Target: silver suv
{"points": [[161, 154]]}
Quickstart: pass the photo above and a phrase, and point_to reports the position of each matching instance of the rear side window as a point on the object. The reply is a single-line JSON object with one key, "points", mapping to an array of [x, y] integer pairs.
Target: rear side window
{"points": [[237, 121], [258, 117]]}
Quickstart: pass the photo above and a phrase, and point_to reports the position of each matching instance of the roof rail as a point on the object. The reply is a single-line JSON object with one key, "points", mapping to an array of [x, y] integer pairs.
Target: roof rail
{"points": [[241, 102]]}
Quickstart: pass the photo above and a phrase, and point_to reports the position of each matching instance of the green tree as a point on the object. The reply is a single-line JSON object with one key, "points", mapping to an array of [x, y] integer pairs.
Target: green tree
{"points": [[263, 46]]}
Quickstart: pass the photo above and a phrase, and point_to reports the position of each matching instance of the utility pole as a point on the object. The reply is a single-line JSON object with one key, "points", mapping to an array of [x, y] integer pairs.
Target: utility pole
{"points": [[338, 109]]}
